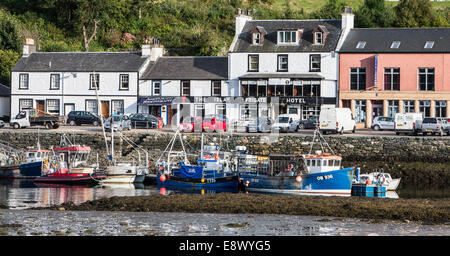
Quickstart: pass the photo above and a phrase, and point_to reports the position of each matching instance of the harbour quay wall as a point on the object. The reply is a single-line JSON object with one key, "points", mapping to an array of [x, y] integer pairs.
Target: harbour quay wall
{"points": [[352, 148]]}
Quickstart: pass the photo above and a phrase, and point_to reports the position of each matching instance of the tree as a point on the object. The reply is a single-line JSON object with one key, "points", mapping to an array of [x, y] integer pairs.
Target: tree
{"points": [[414, 13], [374, 13], [10, 38], [333, 9], [8, 59]]}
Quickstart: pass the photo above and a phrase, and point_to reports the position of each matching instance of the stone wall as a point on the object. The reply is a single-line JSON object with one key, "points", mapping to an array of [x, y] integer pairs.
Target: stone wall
{"points": [[352, 148]]}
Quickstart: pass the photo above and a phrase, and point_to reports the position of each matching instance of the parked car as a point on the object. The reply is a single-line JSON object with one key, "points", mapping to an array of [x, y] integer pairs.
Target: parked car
{"points": [[286, 123], [144, 121], [311, 123], [2, 124], [214, 123], [82, 117], [119, 123], [408, 123], [383, 123], [435, 125], [259, 124], [336, 120], [191, 124]]}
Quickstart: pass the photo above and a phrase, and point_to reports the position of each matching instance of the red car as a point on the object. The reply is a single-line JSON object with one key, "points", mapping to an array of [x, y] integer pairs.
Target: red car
{"points": [[214, 123], [192, 124]]}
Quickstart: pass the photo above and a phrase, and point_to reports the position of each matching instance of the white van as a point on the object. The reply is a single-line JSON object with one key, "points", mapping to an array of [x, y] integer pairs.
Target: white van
{"points": [[408, 123], [286, 123], [336, 120]]}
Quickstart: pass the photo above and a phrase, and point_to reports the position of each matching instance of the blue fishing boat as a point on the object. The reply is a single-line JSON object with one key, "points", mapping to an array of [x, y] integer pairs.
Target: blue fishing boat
{"points": [[30, 168], [318, 173], [212, 168]]}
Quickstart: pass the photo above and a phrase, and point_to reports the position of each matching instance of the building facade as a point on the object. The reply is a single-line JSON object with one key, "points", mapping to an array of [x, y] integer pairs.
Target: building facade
{"points": [[387, 71], [176, 87], [285, 66], [102, 82], [5, 94]]}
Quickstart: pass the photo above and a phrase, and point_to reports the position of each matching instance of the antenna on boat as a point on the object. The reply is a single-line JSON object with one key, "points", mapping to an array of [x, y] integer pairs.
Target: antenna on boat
{"points": [[321, 141]]}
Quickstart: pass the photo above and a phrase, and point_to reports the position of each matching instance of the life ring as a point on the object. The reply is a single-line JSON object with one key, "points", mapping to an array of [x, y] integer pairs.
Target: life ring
{"points": [[216, 156], [207, 156]]}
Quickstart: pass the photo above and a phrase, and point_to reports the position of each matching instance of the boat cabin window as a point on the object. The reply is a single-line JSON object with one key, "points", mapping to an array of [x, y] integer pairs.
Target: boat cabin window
{"points": [[30, 154], [330, 162], [308, 162], [319, 162], [325, 163], [337, 163], [38, 154]]}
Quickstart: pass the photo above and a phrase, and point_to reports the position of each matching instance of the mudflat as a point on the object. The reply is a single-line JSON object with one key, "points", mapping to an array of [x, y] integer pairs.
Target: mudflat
{"points": [[426, 211]]}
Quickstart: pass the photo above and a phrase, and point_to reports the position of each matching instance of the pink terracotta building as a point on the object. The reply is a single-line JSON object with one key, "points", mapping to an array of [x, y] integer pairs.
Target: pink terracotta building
{"points": [[388, 71]]}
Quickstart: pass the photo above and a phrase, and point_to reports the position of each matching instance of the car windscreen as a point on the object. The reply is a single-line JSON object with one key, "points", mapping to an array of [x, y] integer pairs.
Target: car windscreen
{"points": [[116, 118], [429, 120], [283, 119]]}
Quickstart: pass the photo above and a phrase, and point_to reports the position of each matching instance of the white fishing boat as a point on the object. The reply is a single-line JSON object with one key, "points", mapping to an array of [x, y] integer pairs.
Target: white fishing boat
{"points": [[380, 178]]}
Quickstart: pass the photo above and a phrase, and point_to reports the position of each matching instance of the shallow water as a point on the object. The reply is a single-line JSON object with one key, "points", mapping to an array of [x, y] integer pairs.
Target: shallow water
{"points": [[83, 223]]}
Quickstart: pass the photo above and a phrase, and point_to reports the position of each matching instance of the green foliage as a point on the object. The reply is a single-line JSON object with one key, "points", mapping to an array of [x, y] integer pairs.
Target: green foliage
{"points": [[374, 13], [332, 10], [8, 59], [414, 13], [10, 38]]}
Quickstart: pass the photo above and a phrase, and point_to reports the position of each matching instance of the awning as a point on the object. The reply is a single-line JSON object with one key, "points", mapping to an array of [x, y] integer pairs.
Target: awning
{"points": [[156, 100]]}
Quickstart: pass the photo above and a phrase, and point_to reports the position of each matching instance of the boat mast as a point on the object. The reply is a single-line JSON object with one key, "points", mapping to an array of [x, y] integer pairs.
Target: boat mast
{"points": [[101, 115]]}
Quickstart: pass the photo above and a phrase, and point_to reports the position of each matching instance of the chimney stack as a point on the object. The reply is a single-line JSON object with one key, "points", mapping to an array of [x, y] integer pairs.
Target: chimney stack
{"points": [[347, 19], [28, 47], [241, 19], [152, 49]]}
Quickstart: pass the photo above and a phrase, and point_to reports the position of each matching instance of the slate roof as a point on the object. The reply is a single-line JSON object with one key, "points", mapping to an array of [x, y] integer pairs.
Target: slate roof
{"points": [[244, 43], [189, 68], [5, 91], [80, 62], [412, 40]]}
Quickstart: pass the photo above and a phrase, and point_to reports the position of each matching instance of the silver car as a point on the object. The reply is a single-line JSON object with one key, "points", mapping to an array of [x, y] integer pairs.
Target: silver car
{"points": [[119, 123], [259, 124], [435, 125], [383, 123]]}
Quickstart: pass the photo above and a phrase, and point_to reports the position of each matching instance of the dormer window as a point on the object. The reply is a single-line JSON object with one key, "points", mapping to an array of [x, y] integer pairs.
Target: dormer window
{"points": [[395, 45], [318, 39], [258, 35], [429, 44], [287, 37], [361, 45]]}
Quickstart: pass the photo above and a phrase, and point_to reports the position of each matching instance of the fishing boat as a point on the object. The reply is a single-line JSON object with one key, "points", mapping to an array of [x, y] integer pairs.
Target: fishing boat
{"points": [[125, 173], [212, 168], [378, 178], [68, 165], [315, 173]]}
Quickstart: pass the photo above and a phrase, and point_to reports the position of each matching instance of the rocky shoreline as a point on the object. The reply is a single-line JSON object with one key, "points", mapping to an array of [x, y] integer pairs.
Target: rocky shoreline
{"points": [[424, 211]]}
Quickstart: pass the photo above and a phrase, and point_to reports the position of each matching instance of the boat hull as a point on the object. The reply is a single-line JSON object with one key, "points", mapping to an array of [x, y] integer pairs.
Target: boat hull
{"points": [[185, 182], [30, 170], [71, 179], [10, 172], [337, 182], [119, 179]]}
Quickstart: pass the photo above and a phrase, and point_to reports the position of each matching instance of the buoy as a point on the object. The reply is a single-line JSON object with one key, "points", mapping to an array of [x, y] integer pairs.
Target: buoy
{"points": [[202, 180], [162, 191], [368, 182], [246, 183], [162, 178], [298, 179]]}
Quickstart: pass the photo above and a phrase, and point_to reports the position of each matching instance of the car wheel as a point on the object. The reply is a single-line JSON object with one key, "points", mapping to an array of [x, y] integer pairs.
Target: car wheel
{"points": [[354, 129], [48, 126], [376, 127], [342, 131], [95, 123], [16, 126], [72, 123], [301, 126]]}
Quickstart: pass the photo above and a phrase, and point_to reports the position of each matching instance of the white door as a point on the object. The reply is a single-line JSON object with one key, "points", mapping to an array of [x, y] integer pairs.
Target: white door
{"points": [[68, 108]]}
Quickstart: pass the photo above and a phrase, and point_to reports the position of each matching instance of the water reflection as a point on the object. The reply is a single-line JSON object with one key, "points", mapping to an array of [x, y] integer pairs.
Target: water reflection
{"points": [[21, 194]]}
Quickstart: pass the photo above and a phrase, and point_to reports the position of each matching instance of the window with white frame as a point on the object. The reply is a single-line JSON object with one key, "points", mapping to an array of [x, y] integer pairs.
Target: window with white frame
{"points": [[185, 88], [287, 37], [318, 38], [117, 107], [283, 62], [199, 110], [314, 62], [54, 81], [256, 38], [25, 103], [425, 107], [360, 111], [441, 108], [156, 88], [124, 81], [216, 88], [408, 106], [53, 106], [23, 81], [392, 108], [221, 109], [94, 82], [248, 111], [426, 79], [253, 63], [92, 106]]}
